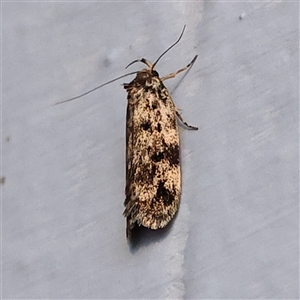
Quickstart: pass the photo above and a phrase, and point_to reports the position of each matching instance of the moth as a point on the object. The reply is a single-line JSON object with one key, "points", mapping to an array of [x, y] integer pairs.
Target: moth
{"points": [[153, 174]]}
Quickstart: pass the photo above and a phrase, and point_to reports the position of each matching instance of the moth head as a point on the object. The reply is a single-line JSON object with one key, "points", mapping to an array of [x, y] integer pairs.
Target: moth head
{"points": [[146, 75]]}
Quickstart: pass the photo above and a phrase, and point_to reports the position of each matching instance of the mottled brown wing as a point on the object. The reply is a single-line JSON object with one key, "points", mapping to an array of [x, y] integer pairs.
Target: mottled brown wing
{"points": [[153, 179]]}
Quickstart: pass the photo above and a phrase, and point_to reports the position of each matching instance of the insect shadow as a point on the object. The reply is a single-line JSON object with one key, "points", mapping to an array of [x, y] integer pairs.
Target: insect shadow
{"points": [[142, 236]]}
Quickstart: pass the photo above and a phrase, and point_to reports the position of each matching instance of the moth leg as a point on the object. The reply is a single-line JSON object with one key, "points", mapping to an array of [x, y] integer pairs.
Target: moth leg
{"points": [[185, 123], [172, 75]]}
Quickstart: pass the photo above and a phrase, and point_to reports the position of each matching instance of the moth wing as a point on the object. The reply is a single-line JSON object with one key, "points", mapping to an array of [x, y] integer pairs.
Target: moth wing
{"points": [[153, 179]]}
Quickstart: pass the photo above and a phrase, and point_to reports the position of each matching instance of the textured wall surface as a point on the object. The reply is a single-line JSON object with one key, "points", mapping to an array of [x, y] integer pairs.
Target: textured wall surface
{"points": [[237, 231]]}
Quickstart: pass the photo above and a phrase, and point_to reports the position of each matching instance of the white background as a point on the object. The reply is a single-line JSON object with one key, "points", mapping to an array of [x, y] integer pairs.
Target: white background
{"points": [[237, 231]]}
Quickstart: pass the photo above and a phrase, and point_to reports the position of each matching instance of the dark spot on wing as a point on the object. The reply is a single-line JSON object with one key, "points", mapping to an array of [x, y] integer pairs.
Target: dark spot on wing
{"points": [[158, 156], [173, 155], [145, 126], [149, 88], [164, 194], [158, 127], [154, 105], [153, 169]]}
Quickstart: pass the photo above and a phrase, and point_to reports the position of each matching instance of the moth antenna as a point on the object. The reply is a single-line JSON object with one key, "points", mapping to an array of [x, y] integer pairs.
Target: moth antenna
{"points": [[143, 60], [152, 67], [98, 87]]}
